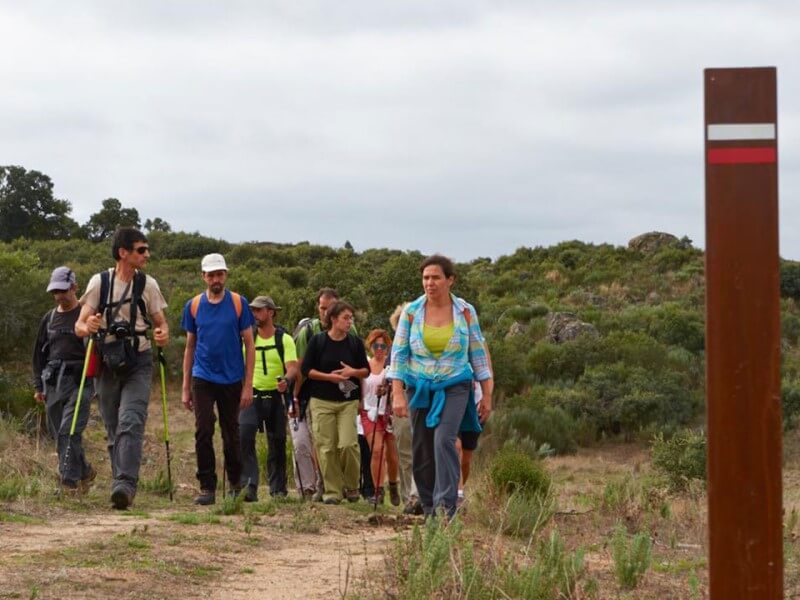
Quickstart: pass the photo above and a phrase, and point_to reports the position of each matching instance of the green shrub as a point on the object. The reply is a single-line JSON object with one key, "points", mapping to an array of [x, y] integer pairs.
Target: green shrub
{"points": [[680, 458], [554, 573], [790, 402], [631, 555], [541, 423], [512, 471]]}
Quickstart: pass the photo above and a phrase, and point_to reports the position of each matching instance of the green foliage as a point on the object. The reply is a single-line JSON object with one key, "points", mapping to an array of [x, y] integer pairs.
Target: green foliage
{"points": [[533, 418], [680, 458], [632, 556], [511, 471], [157, 485], [28, 208], [16, 395], [790, 401], [790, 279], [102, 224]]}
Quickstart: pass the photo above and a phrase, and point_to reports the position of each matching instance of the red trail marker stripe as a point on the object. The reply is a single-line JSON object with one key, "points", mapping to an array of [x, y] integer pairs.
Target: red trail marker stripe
{"points": [[732, 156]]}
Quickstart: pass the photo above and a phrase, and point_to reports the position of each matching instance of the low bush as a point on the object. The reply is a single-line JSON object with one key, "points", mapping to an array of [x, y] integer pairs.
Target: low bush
{"points": [[680, 458], [513, 471]]}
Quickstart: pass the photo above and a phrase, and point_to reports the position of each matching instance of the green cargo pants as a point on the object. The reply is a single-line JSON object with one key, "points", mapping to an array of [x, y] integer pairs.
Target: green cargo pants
{"points": [[336, 440]]}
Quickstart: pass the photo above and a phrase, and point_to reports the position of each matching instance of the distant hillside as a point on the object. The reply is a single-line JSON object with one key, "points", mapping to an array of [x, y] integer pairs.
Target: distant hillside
{"points": [[586, 339]]}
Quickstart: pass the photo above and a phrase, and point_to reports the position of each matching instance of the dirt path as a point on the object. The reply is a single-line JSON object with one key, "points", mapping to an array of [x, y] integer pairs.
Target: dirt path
{"points": [[168, 554]]}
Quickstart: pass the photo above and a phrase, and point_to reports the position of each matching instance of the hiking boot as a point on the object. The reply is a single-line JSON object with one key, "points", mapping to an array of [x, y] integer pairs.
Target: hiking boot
{"points": [[234, 492], [413, 507], [250, 494], [206, 498], [121, 498], [69, 489], [85, 483], [309, 495], [394, 494], [376, 498], [352, 495], [331, 500], [317, 497]]}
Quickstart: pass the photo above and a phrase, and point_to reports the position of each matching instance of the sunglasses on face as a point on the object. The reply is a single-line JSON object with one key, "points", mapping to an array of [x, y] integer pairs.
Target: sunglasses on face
{"points": [[142, 249], [379, 346]]}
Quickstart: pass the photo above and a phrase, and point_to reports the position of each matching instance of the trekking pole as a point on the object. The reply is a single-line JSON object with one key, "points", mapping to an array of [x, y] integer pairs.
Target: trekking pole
{"points": [[89, 348], [375, 484], [162, 366], [295, 426]]}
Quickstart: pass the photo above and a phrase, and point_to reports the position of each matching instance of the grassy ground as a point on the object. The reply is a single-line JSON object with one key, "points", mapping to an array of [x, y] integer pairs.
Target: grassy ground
{"points": [[78, 547]]}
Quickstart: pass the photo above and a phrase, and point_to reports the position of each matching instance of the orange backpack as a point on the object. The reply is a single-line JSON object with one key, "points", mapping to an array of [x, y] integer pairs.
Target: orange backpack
{"points": [[237, 304]]}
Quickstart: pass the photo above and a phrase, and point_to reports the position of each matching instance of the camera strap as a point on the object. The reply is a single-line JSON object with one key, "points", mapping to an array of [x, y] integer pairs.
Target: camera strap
{"points": [[113, 308]]}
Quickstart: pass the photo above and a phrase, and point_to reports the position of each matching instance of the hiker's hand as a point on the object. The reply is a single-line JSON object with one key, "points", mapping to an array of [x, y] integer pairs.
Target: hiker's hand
{"points": [[186, 398], [336, 376], [283, 385], [93, 323], [346, 371], [399, 405], [246, 399], [484, 408], [294, 409], [160, 336], [39, 397]]}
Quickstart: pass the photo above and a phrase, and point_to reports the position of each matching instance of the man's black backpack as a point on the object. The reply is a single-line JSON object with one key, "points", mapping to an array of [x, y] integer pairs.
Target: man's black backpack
{"points": [[122, 352], [279, 331]]}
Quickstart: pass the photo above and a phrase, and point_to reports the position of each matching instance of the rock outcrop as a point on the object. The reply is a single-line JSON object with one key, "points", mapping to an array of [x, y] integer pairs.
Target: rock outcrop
{"points": [[565, 326], [652, 241]]}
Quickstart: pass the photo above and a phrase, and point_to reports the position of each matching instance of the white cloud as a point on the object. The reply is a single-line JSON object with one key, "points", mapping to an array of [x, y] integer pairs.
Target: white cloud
{"points": [[467, 127]]}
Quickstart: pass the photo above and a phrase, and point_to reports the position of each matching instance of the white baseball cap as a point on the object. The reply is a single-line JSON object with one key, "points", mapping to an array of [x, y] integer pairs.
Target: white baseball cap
{"points": [[213, 262]]}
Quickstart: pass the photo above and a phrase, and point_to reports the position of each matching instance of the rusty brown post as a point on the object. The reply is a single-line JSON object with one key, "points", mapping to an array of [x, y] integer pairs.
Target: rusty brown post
{"points": [[743, 335]]}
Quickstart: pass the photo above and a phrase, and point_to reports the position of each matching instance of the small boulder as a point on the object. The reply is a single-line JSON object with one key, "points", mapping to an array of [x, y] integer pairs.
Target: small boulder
{"points": [[515, 330], [565, 326]]}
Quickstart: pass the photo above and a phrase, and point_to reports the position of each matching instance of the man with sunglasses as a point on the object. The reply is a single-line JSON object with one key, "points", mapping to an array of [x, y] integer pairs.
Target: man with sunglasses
{"points": [[119, 313], [58, 357]]}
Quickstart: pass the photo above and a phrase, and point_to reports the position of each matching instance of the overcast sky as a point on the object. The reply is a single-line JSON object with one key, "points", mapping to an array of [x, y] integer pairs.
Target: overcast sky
{"points": [[461, 126]]}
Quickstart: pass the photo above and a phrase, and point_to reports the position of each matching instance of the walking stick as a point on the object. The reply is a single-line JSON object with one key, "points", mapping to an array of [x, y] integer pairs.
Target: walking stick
{"points": [[375, 484], [294, 450], [89, 348], [162, 366]]}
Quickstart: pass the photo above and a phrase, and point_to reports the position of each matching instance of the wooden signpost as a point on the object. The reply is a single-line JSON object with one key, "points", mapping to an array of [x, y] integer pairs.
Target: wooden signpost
{"points": [[743, 335]]}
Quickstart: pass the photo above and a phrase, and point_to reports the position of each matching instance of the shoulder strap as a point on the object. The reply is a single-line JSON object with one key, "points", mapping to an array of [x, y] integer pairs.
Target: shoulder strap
{"points": [[195, 305], [50, 316], [237, 303], [279, 333], [104, 284], [137, 302]]}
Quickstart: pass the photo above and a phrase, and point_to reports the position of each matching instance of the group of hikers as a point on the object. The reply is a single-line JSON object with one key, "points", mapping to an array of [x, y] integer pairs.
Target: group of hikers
{"points": [[406, 410]]}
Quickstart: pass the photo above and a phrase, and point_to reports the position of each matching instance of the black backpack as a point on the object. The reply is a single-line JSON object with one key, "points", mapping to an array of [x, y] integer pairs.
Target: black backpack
{"points": [[121, 353], [279, 332]]}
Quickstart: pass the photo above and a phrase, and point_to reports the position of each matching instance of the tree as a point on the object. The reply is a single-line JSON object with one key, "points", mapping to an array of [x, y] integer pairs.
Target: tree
{"points": [[102, 225], [157, 224], [28, 208]]}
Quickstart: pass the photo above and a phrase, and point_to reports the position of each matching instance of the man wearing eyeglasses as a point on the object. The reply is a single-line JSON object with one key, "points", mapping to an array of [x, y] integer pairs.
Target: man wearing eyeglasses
{"points": [[58, 356], [119, 307]]}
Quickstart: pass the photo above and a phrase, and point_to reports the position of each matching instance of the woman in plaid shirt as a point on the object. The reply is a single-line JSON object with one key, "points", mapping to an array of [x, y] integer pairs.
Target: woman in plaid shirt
{"points": [[437, 351]]}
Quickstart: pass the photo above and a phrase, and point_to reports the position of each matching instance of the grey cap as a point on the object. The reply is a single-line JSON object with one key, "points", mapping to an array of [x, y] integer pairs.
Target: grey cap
{"points": [[61, 279], [213, 262], [263, 302]]}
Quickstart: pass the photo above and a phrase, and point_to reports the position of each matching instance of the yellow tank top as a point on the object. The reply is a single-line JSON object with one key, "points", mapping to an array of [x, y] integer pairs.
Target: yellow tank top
{"points": [[436, 338]]}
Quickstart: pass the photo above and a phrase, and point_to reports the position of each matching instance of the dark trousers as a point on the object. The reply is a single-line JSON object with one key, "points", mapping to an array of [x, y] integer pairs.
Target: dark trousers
{"points": [[435, 459], [61, 399], [226, 397], [367, 487], [269, 411]]}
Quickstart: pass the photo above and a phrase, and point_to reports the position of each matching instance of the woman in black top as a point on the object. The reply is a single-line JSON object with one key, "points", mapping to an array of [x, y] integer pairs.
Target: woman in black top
{"points": [[334, 363]]}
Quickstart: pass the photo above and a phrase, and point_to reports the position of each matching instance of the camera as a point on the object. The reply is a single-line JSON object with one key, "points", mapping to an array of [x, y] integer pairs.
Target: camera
{"points": [[120, 329]]}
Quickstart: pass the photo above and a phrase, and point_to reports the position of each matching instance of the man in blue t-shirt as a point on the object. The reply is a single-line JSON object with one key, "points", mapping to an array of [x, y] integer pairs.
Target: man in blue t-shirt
{"points": [[215, 372]]}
